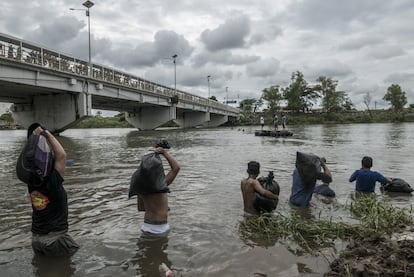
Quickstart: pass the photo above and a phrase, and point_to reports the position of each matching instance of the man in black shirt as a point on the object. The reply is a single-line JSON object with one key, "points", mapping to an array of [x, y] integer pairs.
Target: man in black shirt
{"points": [[49, 203]]}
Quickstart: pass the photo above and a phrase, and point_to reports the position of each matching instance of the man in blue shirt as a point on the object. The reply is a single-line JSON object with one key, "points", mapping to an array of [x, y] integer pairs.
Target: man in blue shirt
{"points": [[365, 178]]}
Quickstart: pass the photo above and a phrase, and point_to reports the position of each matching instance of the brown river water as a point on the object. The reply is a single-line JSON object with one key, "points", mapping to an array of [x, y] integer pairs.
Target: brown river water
{"points": [[205, 199]]}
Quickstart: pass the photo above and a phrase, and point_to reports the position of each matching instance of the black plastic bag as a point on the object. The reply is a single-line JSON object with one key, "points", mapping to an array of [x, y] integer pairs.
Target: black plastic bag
{"points": [[149, 177], [308, 166], [262, 203], [398, 185], [36, 161]]}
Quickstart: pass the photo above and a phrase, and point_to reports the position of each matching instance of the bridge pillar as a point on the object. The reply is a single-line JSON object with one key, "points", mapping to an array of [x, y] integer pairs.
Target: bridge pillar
{"points": [[191, 119], [149, 118], [216, 120], [56, 112]]}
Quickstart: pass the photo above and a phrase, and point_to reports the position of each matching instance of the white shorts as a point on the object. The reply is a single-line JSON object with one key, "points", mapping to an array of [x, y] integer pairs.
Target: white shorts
{"points": [[155, 228]]}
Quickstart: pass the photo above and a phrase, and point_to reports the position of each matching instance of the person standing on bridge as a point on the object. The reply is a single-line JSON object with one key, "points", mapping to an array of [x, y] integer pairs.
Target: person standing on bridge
{"points": [[45, 154], [151, 186]]}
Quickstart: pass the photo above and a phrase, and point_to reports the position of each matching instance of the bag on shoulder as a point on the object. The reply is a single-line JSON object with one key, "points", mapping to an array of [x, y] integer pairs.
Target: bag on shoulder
{"points": [[262, 203], [398, 185], [36, 161], [308, 166], [149, 177]]}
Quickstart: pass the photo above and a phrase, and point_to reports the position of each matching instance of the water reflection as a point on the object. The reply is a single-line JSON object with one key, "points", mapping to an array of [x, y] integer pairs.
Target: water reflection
{"points": [[151, 253], [395, 135], [52, 267]]}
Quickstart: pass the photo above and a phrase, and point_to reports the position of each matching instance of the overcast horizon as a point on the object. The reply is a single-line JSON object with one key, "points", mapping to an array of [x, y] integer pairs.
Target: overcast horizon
{"points": [[246, 46]]}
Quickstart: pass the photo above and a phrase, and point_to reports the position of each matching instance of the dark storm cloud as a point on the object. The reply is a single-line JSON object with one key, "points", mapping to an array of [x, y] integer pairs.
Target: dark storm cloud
{"points": [[164, 46], [57, 31], [229, 35], [263, 31], [364, 44]]}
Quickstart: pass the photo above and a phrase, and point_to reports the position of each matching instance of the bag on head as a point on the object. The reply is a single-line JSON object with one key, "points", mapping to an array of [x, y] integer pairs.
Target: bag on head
{"points": [[149, 177], [308, 166], [36, 161]]}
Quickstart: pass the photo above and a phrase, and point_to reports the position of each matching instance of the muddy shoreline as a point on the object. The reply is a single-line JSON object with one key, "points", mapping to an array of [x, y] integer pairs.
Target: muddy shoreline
{"points": [[377, 255]]}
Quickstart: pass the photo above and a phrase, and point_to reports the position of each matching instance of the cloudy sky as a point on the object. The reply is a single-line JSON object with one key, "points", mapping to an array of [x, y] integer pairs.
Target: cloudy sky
{"points": [[244, 45]]}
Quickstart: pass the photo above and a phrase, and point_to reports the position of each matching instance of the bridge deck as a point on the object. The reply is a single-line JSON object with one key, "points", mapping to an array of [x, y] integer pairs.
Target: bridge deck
{"points": [[20, 51]]}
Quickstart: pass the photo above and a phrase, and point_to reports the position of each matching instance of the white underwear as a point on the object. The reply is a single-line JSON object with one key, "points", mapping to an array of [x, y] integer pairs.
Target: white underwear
{"points": [[155, 229]]}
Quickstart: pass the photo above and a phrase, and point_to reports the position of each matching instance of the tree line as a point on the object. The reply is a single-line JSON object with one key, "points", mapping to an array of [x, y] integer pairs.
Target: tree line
{"points": [[301, 97]]}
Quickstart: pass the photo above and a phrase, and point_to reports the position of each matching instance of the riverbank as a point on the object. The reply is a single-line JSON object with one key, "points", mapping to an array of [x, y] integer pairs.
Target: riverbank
{"points": [[346, 117], [247, 119], [377, 255]]}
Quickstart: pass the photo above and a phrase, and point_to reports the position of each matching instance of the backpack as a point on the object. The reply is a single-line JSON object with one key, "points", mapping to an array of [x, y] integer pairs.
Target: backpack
{"points": [[36, 161]]}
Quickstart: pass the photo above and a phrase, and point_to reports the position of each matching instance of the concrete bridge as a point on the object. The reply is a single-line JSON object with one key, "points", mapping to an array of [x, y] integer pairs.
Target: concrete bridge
{"points": [[58, 91]]}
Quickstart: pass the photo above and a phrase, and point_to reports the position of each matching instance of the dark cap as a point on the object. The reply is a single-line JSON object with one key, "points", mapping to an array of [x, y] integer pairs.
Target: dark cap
{"points": [[253, 168]]}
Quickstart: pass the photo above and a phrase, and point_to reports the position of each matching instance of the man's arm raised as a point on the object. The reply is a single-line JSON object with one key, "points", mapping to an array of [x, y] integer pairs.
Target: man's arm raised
{"points": [[175, 168]]}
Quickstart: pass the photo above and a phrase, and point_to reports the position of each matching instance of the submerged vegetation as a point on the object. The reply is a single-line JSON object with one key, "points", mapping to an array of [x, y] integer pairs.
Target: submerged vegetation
{"points": [[309, 234], [375, 218], [378, 217]]}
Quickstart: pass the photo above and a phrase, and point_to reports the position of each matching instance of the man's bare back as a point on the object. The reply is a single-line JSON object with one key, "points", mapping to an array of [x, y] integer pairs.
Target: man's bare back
{"points": [[249, 194], [250, 186]]}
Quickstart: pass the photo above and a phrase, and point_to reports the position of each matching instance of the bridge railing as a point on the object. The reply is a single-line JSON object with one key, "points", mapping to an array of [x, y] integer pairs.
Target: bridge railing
{"points": [[25, 52]]}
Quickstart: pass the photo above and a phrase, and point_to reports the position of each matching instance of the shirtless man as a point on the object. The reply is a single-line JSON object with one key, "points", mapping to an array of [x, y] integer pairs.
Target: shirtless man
{"points": [[156, 204], [249, 186]]}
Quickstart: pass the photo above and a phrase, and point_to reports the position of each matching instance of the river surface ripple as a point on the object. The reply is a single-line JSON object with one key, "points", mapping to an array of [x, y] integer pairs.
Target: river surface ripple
{"points": [[205, 199]]}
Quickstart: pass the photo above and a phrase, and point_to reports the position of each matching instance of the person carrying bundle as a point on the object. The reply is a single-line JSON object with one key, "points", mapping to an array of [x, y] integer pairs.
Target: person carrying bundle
{"points": [[150, 184], [305, 175], [250, 187], [42, 166]]}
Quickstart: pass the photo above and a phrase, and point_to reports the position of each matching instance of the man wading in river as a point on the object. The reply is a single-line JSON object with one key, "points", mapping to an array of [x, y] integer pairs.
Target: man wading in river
{"points": [[249, 186], [42, 166], [151, 186]]}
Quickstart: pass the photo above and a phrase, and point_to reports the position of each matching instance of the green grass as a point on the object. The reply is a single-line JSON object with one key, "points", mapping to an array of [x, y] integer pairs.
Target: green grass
{"points": [[312, 235]]}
